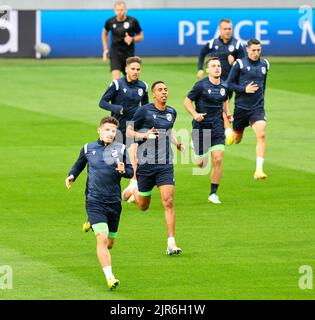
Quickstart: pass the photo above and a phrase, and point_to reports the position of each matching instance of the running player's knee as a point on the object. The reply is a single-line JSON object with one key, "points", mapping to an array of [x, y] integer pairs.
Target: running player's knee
{"points": [[237, 138], [143, 206], [261, 135], [217, 160], [168, 203], [102, 239]]}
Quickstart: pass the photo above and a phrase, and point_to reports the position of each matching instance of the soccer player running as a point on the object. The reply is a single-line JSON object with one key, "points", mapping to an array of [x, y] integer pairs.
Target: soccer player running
{"points": [[107, 162], [152, 127], [123, 98], [125, 31], [211, 99], [227, 49], [248, 79]]}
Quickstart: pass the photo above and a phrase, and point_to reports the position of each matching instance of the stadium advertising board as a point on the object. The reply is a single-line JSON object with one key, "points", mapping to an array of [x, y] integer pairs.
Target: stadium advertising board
{"points": [[287, 32], [17, 33]]}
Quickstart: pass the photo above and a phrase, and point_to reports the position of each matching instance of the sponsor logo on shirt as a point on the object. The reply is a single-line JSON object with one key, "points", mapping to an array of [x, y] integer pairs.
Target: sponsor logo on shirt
{"points": [[114, 153]]}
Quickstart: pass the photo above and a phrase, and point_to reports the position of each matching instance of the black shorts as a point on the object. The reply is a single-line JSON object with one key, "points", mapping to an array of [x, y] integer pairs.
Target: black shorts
{"points": [[207, 134], [100, 212], [159, 175], [243, 118], [118, 61]]}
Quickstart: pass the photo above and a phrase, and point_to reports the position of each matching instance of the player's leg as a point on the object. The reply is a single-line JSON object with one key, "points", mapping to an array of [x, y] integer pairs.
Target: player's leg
{"points": [[103, 255], [116, 65], [167, 197], [127, 194], [142, 194], [217, 152], [201, 140], [241, 121], [259, 128], [98, 217], [165, 181]]}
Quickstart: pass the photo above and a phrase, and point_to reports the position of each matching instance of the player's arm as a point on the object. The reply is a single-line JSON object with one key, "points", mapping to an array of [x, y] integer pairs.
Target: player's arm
{"points": [[145, 98], [105, 44], [136, 123], [226, 108], [77, 168], [203, 52], [109, 95], [179, 146], [188, 103], [125, 167], [233, 81]]}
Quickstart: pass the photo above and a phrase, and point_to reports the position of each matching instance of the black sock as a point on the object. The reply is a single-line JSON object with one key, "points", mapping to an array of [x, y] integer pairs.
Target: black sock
{"points": [[214, 188]]}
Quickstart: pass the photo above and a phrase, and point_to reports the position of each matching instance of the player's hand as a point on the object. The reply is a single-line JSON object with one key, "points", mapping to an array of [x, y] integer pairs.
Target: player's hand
{"points": [[120, 167], [200, 74], [121, 111], [152, 134], [199, 116], [251, 87], [230, 59], [69, 181], [129, 40], [105, 56], [181, 147], [230, 117]]}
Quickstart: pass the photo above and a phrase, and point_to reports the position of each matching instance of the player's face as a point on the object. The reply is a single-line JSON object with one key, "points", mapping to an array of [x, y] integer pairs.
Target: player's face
{"points": [[133, 71], [226, 30], [214, 69], [120, 11], [160, 93], [254, 52], [107, 132]]}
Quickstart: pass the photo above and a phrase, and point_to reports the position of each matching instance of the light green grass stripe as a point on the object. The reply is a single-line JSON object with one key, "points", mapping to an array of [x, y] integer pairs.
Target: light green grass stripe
{"points": [[33, 279]]}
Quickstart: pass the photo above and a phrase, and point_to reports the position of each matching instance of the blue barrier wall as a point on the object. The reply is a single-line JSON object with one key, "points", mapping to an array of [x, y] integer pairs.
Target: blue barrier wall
{"points": [[182, 32]]}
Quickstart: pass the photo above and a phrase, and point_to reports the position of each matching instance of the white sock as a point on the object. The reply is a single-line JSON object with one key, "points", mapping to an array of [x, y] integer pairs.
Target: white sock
{"points": [[259, 162], [108, 272], [171, 241], [227, 131]]}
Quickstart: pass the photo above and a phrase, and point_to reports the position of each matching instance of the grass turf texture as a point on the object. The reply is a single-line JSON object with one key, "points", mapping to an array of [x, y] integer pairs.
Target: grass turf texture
{"points": [[250, 247]]}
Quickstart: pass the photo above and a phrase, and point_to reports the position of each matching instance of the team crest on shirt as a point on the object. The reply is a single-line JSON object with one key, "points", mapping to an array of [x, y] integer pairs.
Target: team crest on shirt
{"points": [[263, 70], [169, 117], [209, 91], [231, 48], [125, 90], [140, 92], [216, 47], [248, 68], [114, 25], [93, 152], [126, 24], [114, 153], [154, 116], [222, 92]]}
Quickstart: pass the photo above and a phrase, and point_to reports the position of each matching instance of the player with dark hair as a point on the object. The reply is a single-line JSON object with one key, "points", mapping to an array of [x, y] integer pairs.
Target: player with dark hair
{"points": [[125, 31], [248, 79], [227, 49], [211, 99], [152, 127]]}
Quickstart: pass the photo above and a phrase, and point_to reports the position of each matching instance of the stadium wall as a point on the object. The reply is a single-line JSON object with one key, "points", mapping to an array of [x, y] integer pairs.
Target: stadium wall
{"points": [[168, 32]]}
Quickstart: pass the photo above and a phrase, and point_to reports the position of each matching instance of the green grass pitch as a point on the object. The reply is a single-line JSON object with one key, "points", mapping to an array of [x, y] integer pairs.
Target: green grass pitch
{"points": [[250, 247]]}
